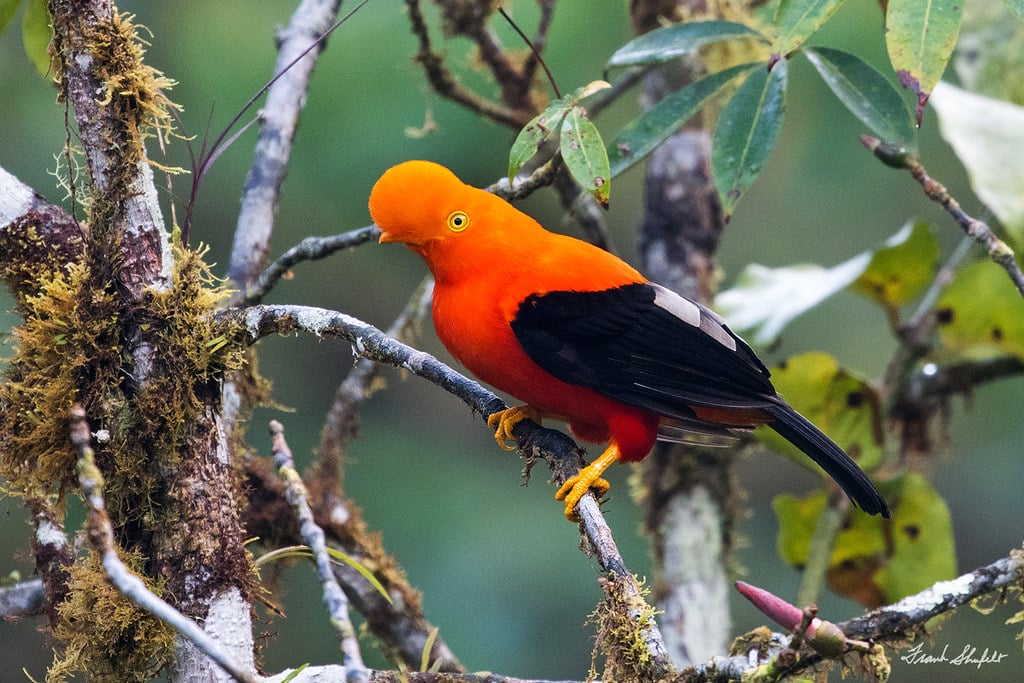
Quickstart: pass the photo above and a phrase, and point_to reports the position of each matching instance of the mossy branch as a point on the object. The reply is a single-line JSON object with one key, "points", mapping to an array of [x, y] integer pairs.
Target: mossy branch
{"points": [[101, 535], [562, 455], [313, 536]]}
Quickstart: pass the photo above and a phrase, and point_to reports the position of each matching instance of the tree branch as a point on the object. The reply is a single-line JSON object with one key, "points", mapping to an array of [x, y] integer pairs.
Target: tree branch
{"points": [[445, 84], [979, 231], [35, 236], [24, 599], [278, 118], [313, 536], [101, 535], [558, 450], [116, 99], [688, 493], [309, 249]]}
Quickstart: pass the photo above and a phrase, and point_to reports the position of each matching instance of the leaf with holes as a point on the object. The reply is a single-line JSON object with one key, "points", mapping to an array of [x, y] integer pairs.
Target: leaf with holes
{"points": [[797, 20], [639, 137], [876, 561], [902, 268], [533, 134], [584, 155], [920, 36], [980, 315], [668, 42], [841, 404], [860, 547], [922, 536], [866, 93], [746, 133]]}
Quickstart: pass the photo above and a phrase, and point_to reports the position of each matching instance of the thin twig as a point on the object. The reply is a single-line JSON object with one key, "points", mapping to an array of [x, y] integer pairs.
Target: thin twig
{"points": [[23, 599], [445, 84], [822, 545], [313, 536], [534, 59], [101, 535], [524, 186], [979, 231], [530, 67], [299, 47], [309, 249]]}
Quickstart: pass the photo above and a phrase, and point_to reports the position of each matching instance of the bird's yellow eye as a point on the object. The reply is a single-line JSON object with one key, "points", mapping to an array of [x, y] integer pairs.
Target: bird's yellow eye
{"points": [[458, 221]]}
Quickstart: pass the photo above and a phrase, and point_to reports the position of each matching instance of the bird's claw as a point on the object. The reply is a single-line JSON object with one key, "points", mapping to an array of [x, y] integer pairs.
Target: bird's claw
{"points": [[504, 421], [574, 488]]}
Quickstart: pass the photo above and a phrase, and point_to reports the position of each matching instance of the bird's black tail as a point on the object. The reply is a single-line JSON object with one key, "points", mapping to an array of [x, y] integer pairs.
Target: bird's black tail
{"points": [[799, 431]]}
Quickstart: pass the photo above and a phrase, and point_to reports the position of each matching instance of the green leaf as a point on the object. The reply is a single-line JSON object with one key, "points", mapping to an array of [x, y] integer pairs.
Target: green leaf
{"points": [[980, 315], [920, 36], [746, 133], [988, 138], [866, 93], [797, 20], [292, 675], [639, 137], [797, 519], [764, 300], [7, 11], [36, 34], [533, 135], [584, 154], [922, 535], [339, 556], [876, 561], [665, 43], [584, 91], [303, 551], [841, 404], [903, 268]]}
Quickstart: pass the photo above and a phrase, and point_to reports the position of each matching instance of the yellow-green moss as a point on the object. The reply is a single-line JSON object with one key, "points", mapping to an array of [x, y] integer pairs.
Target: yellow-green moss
{"points": [[103, 633], [134, 90], [67, 347], [623, 619]]}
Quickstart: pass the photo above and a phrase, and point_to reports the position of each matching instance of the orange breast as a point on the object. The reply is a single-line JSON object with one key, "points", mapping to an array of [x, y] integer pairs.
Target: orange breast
{"points": [[473, 323]]}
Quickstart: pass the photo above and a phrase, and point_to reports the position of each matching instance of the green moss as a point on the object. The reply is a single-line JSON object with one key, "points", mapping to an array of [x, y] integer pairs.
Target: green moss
{"points": [[623, 619], [104, 634], [64, 350]]}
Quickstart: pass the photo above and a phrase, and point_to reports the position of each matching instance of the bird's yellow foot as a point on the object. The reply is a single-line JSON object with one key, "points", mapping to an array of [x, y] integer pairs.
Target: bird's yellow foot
{"points": [[503, 421], [574, 488], [589, 478]]}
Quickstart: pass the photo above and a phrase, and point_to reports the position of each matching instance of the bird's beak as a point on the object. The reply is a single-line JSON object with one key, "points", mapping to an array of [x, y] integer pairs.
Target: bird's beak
{"points": [[384, 236]]}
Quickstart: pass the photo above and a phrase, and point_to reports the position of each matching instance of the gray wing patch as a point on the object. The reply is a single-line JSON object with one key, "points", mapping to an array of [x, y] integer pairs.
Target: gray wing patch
{"points": [[693, 313]]}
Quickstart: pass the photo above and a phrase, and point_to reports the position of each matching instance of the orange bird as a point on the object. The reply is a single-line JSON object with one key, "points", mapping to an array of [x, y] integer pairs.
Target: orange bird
{"points": [[579, 335]]}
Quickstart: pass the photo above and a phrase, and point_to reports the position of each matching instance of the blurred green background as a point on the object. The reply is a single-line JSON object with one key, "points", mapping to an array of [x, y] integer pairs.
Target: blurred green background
{"points": [[498, 566]]}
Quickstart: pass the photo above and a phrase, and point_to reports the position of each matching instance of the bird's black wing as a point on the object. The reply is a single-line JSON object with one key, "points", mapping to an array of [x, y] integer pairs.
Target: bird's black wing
{"points": [[646, 346], [643, 345]]}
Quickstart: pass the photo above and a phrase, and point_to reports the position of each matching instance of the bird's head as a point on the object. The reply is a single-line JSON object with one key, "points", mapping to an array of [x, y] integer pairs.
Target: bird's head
{"points": [[417, 202]]}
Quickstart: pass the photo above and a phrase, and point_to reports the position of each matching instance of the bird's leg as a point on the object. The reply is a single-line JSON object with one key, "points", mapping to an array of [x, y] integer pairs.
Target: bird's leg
{"points": [[503, 421], [588, 478]]}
